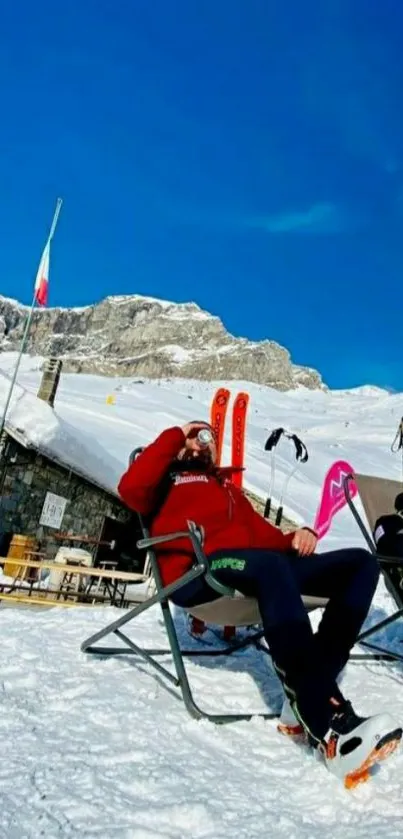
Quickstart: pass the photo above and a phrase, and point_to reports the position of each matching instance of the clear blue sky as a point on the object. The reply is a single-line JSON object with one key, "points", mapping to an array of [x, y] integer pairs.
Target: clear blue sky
{"points": [[245, 154]]}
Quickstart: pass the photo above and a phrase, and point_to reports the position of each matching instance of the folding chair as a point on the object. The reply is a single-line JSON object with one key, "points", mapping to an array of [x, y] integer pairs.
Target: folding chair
{"points": [[378, 498], [230, 608]]}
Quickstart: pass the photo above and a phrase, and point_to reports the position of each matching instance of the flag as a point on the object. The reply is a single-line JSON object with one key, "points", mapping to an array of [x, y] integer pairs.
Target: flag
{"points": [[42, 277], [333, 497]]}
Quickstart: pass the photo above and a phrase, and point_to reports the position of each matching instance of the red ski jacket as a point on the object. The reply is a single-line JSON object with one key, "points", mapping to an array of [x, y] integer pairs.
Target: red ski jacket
{"points": [[212, 502]]}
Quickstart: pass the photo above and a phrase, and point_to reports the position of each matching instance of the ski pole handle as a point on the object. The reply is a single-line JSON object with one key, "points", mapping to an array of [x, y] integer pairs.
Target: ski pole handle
{"points": [[266, 513], [279, 515]]}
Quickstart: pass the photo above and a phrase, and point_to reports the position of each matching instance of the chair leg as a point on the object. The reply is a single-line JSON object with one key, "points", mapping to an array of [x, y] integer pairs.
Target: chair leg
{"points": [[381, 653], [187, 694], [181, 679], [381, 625]]}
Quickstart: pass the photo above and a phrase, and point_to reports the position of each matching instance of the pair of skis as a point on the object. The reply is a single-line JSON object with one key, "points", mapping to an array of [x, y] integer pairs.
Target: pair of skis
{"points": [[218, 415]]}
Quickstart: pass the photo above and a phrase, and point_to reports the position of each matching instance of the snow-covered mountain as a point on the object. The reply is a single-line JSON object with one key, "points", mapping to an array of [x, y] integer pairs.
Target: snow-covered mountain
{"points": [[135, 335]]}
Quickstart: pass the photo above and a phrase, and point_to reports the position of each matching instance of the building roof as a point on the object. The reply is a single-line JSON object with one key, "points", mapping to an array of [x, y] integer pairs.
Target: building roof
{"points": [[35, 425]]}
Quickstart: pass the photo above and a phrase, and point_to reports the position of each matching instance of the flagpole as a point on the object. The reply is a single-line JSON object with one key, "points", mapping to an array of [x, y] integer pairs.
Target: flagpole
{"points": [[55, 219], [26, 329]]}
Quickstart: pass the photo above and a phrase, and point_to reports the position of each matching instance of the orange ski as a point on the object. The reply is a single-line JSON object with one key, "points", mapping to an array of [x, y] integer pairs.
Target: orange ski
{"points": [[218, 413], [239, 414]]}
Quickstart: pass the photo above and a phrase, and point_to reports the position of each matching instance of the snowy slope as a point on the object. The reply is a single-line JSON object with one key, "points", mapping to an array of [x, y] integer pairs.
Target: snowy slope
{"points": [[100, 749]]}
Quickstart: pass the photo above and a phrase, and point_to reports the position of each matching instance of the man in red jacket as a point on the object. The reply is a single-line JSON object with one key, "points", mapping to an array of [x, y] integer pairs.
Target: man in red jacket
{"points": [[175, 480]]}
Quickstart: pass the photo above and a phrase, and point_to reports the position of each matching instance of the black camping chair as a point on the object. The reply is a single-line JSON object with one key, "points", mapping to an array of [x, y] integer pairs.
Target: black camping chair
{"points": [[377, 497]]}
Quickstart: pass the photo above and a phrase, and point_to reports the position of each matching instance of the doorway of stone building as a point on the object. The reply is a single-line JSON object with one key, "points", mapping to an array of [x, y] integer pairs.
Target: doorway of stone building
{"points": [[124, 535]]}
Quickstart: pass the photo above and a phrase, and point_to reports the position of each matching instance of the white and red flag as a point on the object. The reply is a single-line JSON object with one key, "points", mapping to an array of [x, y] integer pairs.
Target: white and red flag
{"points": [[42, 277]]}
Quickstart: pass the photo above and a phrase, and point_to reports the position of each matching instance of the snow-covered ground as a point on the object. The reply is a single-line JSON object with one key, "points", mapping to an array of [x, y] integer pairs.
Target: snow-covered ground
{"points": [[99, 748]]}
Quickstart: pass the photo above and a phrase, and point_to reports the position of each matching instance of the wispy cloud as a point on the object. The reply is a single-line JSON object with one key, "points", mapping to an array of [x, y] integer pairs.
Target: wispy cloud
{"points": [[318, 219], [323, 217]]}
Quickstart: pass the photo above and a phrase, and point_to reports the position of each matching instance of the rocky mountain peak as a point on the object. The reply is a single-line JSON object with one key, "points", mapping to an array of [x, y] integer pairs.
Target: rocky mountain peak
{"points": [[135, 335]]}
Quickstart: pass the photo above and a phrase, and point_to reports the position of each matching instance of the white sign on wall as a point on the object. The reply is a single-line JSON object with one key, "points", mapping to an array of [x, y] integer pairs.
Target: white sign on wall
{"points": [[53, 510]]}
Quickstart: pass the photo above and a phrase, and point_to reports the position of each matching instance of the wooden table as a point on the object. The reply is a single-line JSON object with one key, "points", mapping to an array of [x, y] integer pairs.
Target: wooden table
{"points": [[23, 590]]}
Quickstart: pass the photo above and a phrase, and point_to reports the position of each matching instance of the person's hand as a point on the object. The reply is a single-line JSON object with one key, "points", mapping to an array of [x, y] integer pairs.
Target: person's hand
{"points": [[304, 542], [190, 431]]}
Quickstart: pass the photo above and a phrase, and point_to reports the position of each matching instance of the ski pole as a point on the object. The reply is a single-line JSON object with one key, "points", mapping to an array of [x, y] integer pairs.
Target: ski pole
{"points": [[301, 456], [397, 444]]}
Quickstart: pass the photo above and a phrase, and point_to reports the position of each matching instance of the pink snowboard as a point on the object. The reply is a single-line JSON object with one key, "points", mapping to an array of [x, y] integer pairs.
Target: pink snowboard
{"points": [[333, 498]]}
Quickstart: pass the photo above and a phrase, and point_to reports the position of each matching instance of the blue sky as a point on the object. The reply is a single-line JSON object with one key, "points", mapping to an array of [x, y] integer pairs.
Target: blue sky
{"points": [[245, 155]]}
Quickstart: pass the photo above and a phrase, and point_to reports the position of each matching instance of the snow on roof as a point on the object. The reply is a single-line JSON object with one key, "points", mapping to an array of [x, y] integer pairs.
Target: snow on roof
{"points": [[35, 424]]}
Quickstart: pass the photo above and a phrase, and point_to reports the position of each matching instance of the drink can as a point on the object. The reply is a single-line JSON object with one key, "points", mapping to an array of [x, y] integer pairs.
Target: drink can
{"points": [[204, 437]]}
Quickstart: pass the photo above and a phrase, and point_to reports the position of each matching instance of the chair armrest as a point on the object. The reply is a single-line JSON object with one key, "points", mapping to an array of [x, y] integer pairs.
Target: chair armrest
{"points": [[195, 536], [150, 541]]}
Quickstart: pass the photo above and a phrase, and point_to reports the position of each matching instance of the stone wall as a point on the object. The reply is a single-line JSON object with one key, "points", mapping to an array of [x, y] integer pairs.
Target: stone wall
{"points": [[28, 477]]}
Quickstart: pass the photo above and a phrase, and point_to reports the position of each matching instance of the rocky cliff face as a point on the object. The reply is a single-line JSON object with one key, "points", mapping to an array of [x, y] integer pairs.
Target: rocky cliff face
{"points": [[134, 335]]}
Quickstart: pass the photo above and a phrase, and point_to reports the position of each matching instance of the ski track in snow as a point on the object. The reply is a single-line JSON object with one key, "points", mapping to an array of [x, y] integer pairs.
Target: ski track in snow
{"points": [[99, 748]]}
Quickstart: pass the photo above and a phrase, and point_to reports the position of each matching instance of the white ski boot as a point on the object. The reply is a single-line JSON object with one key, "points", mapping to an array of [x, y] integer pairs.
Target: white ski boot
{"points": [[353, 744]]}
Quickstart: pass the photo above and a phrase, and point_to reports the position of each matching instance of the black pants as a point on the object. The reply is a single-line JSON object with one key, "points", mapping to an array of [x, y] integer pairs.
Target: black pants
{"points": [[308, 664]]}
